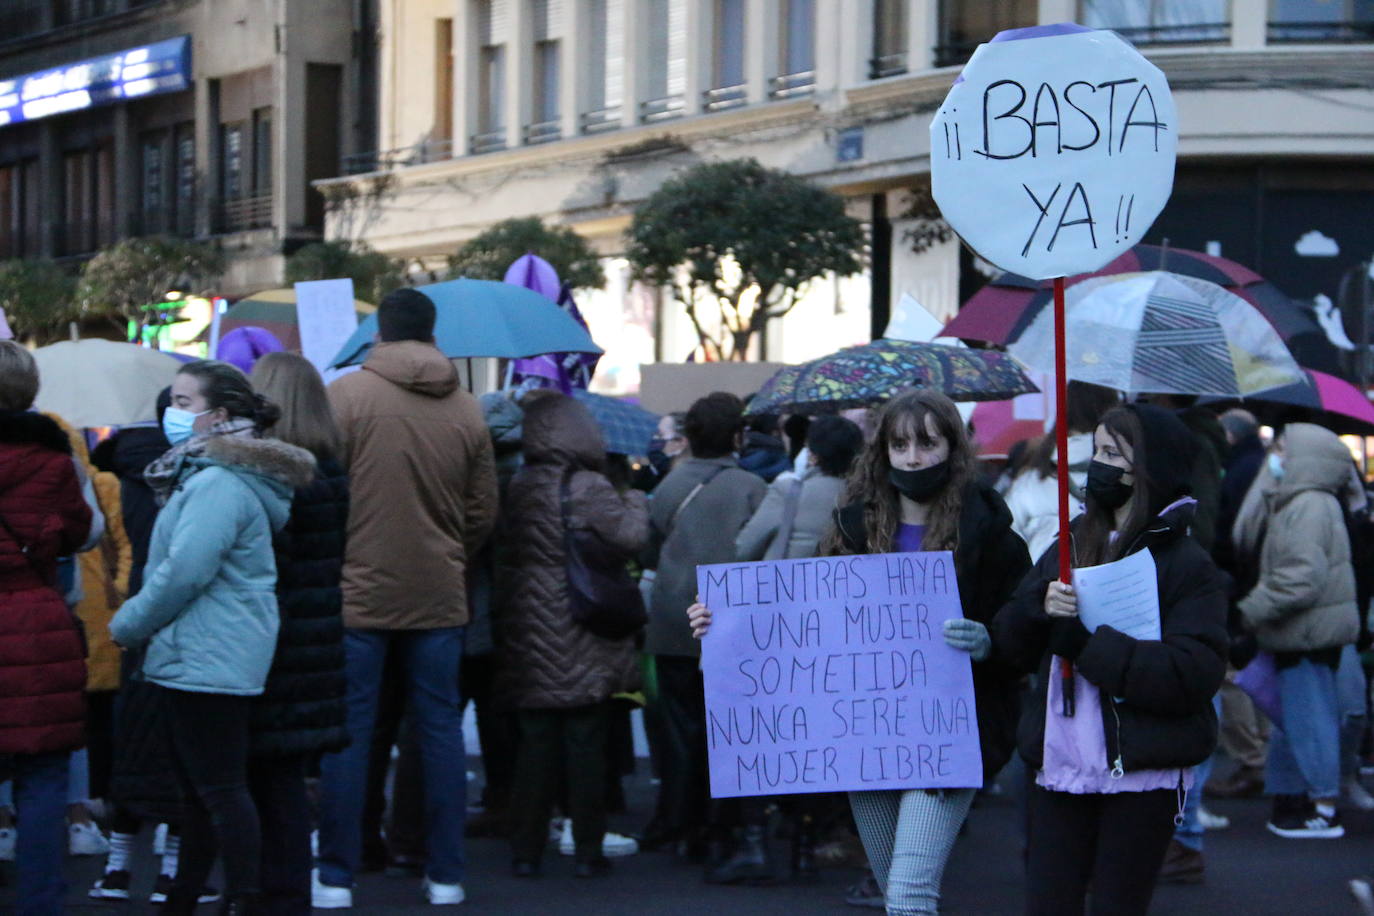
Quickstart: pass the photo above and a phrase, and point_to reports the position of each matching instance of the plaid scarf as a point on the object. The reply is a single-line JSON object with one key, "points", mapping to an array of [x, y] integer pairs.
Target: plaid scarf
{"points": [[163, 474]]}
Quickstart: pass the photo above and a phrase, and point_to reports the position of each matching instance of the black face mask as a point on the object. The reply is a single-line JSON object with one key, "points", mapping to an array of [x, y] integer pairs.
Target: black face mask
{"points": [[1105, 486], [659, 461], [922, 484]]}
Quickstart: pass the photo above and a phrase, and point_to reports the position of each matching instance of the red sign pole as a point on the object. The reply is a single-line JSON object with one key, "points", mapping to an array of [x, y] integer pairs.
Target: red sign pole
{"points": [[1061, 426]]}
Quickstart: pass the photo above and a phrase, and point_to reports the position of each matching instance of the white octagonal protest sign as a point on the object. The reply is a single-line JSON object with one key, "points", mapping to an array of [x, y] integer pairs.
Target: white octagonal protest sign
{"points": [[1054, 153]]}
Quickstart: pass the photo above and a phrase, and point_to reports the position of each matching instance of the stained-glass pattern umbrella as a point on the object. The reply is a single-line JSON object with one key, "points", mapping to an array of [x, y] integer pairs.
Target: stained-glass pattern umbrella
{"points": [[872, 373], [626, 427], [1162, 333], [275, 311], [1001, 312]]}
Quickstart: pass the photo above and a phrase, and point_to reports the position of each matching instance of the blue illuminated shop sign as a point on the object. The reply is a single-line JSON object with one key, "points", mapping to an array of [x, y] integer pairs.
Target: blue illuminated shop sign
{"points": [[164, 66]]}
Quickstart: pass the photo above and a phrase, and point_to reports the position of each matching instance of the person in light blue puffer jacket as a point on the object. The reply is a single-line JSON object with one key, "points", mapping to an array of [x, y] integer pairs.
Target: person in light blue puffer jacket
{"points": [[206, 616]]}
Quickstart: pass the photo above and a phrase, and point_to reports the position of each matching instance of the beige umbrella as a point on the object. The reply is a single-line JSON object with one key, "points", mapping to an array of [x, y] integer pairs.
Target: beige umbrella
{"points": [[101, 382]]}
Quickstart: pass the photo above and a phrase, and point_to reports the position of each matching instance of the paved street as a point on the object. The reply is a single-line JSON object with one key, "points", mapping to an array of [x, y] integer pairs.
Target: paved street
{"points": [[1249, 872]]}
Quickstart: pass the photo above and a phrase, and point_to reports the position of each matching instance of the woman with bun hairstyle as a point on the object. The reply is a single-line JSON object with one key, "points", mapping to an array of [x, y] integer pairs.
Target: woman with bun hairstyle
{"points": [[207, 613], [1110, 749], [916, 488]]}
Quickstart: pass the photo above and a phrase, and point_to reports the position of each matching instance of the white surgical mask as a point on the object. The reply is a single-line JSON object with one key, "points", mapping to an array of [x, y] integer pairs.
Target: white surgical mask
{"points": [[1276, 466], [178, 425]]}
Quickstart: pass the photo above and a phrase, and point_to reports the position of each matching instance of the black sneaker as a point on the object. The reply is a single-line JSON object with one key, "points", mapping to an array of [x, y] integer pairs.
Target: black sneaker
{"points": [[113, 885], [164, 887], [1302, 821]]}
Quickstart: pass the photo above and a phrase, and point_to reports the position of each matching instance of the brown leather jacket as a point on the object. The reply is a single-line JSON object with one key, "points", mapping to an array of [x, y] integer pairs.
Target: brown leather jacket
{"points": [[548, 661]]}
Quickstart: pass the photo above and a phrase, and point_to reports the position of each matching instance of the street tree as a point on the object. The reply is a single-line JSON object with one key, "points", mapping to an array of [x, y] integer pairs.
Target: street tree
{"points": [[742, 242], [122, 280], [488, 255], [373, 273], [37, 298]]}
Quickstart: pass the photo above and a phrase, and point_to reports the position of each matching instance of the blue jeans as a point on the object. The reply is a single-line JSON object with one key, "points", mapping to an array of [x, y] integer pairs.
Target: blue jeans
{"points": [[40, 795], [1189, 833], [430, 660], [1305, 753], [1351, 689]]}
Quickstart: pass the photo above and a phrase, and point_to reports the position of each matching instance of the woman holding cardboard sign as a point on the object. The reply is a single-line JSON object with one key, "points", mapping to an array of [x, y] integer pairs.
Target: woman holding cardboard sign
{"points": [[915, 489], [1111, 749]]}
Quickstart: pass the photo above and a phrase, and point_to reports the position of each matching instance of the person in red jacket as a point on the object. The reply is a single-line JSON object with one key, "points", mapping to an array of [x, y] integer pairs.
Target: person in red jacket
{"points": [[42, 656]]}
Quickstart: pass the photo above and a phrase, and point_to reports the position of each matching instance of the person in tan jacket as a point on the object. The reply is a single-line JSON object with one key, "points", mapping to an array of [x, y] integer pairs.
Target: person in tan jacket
{"points": [[422, 500], [1303, 610]]}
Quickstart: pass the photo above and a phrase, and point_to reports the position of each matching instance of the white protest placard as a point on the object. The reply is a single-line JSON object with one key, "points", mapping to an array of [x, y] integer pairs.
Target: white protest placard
{"points": [[325, 313], [832, 674], [1123, 595], [1054, 152]]}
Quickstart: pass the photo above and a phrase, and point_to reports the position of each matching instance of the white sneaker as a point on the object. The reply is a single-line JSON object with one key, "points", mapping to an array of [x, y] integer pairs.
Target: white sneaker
{"points": [[328, 897], [86, 840], [613, 845], [7, 837], [1210, 821], [160, 840], [1357, 794], [443, 894]]}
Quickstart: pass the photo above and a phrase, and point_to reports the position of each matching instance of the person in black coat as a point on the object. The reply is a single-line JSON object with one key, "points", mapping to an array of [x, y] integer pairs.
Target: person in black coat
{"points": [[915, 489], [143, 783], [301, 713], [1109, 749]]}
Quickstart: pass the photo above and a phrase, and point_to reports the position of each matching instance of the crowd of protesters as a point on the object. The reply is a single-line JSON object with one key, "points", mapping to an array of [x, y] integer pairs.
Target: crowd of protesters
{"points": [[233, 628]]}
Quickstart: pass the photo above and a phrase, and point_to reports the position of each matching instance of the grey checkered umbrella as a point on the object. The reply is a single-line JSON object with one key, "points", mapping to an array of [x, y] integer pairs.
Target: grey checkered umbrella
{"points": [[1163, 333]]}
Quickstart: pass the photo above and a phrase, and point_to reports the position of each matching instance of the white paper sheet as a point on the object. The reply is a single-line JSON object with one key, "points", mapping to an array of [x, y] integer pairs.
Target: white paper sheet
{"points": [[326, 316], [1123, 595]]}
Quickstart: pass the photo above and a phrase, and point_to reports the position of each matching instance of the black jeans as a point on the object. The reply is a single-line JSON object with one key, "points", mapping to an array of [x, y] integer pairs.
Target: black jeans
{"points": [[557, 744], [1109, 846], [209, 739], [278, 788], [684, 793]]}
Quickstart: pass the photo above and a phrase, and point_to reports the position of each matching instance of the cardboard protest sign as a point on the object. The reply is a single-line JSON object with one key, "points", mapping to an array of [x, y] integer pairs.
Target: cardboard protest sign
{"points": [[326, 316], [832, 674], [1054, 153]]}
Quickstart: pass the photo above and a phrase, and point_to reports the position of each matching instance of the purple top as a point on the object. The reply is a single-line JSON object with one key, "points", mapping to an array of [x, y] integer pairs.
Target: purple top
{"points": [[909, 538]]}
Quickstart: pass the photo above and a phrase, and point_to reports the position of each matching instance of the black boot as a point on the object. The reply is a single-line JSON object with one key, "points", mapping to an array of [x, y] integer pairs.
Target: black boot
{"points": [[804, 868], [750, 864], [241, 905]]}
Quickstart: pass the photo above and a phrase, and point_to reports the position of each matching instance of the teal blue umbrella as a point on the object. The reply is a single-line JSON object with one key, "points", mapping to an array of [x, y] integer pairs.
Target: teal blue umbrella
{"points": [[483, 318]]}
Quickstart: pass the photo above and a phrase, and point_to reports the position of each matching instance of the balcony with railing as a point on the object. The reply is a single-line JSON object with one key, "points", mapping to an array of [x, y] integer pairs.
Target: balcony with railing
{"points": [[386, 160], [240, 214], [543, 132], [601, 120], [724, 97], [887, 65], [791, 85], [664, 109]]}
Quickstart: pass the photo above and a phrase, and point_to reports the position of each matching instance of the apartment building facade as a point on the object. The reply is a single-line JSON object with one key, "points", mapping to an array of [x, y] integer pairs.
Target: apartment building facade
{"points": [[576, 110], [195, 118]]}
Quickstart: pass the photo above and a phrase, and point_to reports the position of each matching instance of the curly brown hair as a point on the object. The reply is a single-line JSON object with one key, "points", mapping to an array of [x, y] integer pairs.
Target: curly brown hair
{"points": [[868, 481]]}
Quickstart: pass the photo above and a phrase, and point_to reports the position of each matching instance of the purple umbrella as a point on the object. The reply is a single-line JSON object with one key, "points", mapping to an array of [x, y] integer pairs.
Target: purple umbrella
{"points": [[533, 272], [243, 347], [564, 371]]}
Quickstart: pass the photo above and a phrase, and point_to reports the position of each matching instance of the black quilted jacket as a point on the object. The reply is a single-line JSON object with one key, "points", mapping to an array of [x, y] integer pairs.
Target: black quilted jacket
{"points": [[301, 711], [548, 661]]}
